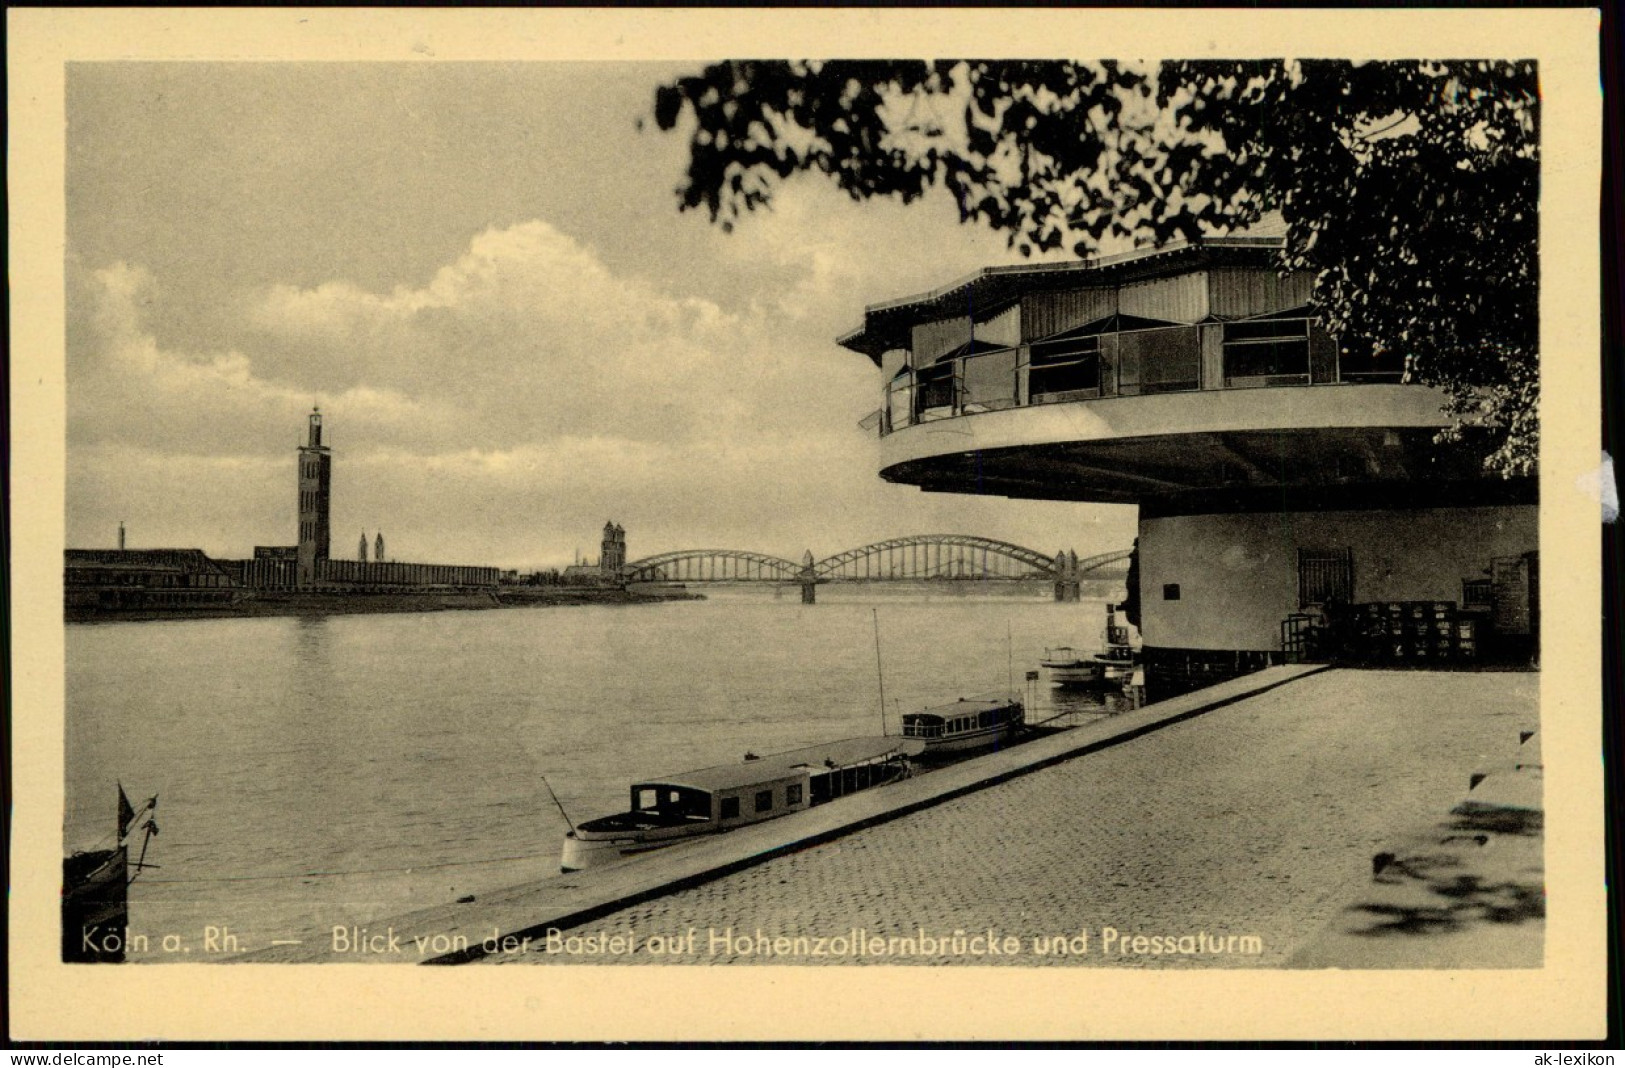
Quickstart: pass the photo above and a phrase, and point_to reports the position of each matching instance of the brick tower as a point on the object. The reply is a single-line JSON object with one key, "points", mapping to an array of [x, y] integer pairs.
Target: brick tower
{"points": [[315, 502]]}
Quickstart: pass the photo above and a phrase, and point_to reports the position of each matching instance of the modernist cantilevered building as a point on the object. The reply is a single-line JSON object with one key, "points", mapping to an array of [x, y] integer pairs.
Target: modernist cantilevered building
{"points": [[1277, 470]]}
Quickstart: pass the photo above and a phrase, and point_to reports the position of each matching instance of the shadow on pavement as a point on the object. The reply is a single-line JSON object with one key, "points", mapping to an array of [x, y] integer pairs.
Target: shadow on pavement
{"points": [[1448, 900]]}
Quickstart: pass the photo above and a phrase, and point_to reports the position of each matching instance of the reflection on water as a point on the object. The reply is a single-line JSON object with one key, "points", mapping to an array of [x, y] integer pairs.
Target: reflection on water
{"points": [[323, 771]]}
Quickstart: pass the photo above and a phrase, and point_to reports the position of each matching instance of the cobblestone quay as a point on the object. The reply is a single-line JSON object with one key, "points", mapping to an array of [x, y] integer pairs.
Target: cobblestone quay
{"points": [[1227, 840]]}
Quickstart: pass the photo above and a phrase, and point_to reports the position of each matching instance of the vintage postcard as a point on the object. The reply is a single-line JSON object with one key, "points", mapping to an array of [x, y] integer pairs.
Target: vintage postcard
{"points": [[1102, 505]]}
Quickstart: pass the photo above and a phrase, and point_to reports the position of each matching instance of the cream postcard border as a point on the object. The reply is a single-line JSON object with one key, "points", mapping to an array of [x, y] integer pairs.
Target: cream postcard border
{"points": [[1565, 999]]}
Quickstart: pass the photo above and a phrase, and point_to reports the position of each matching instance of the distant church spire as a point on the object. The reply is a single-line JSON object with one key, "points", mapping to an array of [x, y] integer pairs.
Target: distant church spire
{"points": [[363, 550], [378, 550]]}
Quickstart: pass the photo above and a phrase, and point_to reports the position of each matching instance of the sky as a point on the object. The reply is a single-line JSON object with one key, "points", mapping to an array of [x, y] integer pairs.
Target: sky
{"points": [[480, 274]]}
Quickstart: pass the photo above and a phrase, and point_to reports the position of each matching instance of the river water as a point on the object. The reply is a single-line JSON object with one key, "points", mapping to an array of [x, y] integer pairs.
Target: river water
{"points": [[315, 771]]}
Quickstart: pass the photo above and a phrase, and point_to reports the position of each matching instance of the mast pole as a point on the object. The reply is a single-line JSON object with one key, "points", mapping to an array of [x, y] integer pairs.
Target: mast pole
{"points": [[1009, 659], [560, 804], [151, 828], [880, 674]]}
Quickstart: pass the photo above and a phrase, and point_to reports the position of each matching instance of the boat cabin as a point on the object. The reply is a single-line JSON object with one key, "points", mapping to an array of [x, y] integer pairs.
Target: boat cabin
{"points": [[749, 794], [761, 788], [963, 717]]}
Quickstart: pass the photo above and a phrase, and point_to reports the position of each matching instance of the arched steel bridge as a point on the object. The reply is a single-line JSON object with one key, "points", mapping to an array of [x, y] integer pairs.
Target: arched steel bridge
{"points": [[921, 556]]}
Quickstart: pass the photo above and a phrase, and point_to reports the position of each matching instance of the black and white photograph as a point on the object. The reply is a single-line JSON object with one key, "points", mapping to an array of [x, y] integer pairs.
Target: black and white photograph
{"points": [[1032, 502]]}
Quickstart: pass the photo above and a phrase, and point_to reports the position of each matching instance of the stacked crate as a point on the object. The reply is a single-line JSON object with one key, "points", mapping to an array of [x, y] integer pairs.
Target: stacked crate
{"points": [[1415, 633], [1299, 636]]}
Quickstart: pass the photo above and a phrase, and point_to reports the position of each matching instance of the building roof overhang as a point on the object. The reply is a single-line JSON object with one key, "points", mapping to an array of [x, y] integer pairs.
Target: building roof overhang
{"points": [[888, 325]]}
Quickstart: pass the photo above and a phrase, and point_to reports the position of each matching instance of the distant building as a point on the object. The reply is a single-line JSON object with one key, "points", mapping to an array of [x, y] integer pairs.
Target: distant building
{"points": [[582, 575], [315, 502], [312, 567], [611, 566], [103, 579], [126, 579], [271, 567], [613, 559]]}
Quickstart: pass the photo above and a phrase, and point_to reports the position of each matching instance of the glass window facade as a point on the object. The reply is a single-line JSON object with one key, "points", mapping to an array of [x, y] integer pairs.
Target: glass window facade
{"points": [[1080, 365]]}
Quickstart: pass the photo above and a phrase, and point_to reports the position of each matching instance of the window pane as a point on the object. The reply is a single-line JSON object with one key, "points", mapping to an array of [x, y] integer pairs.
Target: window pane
{"points": [[1168, 359], [1266, 359], [990, 380], [1050, 383], [935, 387], [1064, 351], [1266, 328], [1358, 361]]}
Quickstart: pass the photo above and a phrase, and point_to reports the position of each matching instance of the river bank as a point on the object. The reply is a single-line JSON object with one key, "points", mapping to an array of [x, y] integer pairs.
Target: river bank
{"points": [[297, 603]]}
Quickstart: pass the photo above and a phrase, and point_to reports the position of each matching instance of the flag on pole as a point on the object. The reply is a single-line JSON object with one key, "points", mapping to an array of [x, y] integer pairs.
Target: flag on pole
{"points": [[126, 814]]}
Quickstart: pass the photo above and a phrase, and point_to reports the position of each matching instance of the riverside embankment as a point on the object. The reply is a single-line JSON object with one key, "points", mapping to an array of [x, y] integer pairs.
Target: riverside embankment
{"points": [[1234, 828]]}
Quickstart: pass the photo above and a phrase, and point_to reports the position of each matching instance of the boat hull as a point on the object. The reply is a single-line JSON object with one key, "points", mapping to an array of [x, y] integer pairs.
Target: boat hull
{"points": [[1074, 674], [962, 743], [582, 852], [95, 910]]}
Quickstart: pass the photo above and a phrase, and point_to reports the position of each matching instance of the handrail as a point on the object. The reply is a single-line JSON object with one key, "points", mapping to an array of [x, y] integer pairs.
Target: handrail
{"points": [[906, 395]]}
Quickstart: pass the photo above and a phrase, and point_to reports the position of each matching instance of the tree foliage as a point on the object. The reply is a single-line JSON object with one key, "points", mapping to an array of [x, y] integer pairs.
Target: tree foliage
{"points": [[1409, 189]]}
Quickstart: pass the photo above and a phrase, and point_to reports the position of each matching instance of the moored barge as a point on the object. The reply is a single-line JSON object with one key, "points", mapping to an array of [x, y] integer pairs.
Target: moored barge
{"points": [[675, 808]]}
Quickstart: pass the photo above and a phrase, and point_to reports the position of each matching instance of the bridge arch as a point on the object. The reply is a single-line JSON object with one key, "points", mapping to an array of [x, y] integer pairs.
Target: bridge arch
{"points": [[936, 556], [711, 565], [1093, 562], [919, 556]]}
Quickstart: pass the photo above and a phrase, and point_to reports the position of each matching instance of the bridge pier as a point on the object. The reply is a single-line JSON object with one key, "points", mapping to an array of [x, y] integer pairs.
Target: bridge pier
{"points": [[809, 580], [1067, 586]]}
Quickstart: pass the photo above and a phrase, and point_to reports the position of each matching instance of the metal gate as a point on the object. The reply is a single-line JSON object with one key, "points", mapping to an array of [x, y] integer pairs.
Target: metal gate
{"points": [[1325, 576]]}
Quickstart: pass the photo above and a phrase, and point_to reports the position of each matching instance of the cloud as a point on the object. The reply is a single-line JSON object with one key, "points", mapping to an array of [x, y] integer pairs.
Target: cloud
{"points": [[523, 374], [531, 335], [124, 388], [506, 360]]}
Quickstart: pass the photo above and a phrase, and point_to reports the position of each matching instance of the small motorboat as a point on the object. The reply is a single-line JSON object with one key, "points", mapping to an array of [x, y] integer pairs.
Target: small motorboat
{"points": [[968, 723], [1066, 666]]}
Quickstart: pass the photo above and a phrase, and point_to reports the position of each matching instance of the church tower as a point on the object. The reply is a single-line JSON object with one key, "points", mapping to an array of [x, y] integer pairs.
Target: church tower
{"points": [[378, 554], [612, 558], [315, 502], [361, 553]]}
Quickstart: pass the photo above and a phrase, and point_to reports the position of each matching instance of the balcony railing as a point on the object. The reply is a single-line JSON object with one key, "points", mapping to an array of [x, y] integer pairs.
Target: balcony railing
{"points": [[1240, 355]]}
